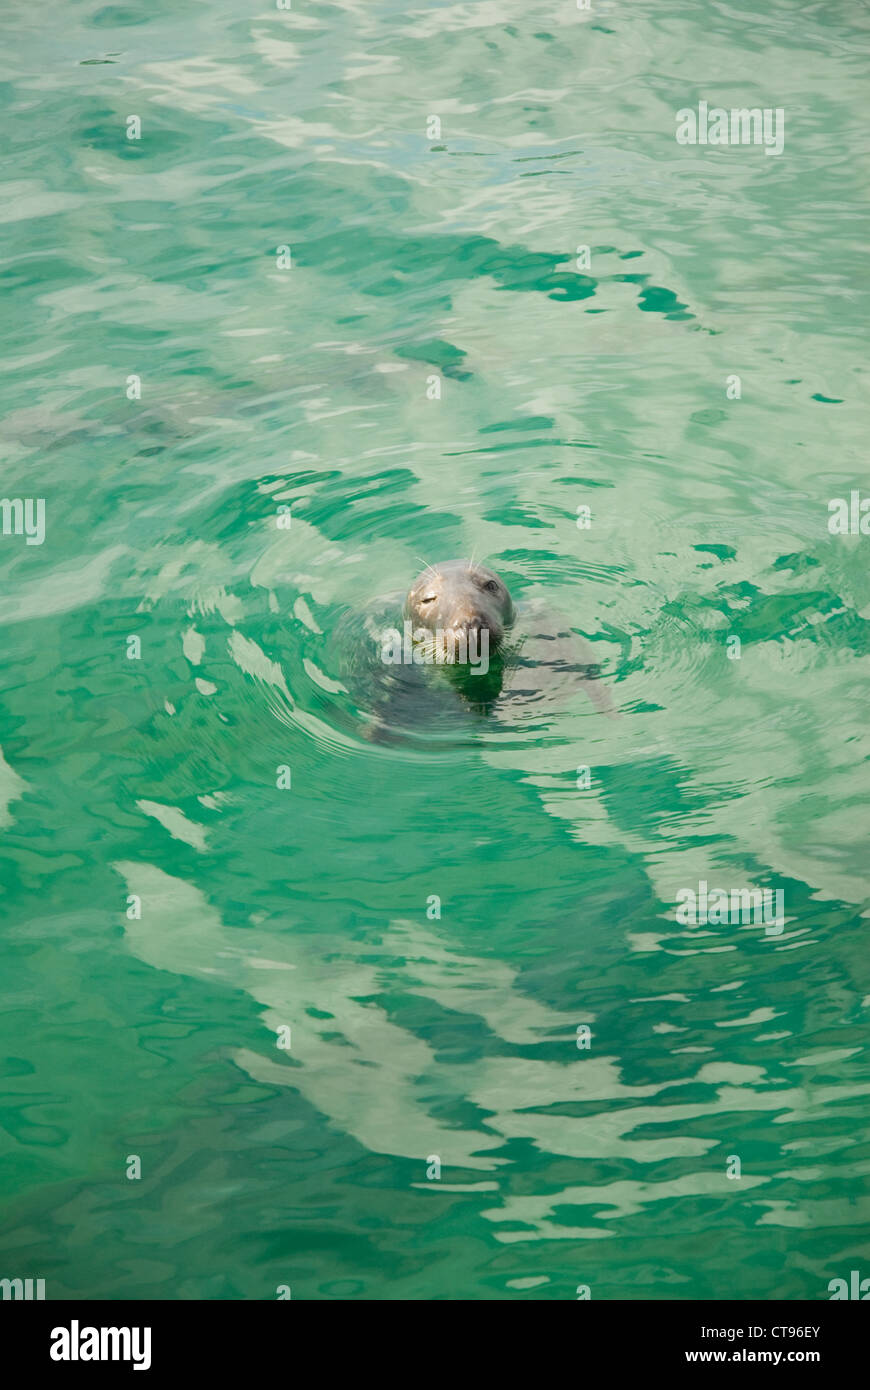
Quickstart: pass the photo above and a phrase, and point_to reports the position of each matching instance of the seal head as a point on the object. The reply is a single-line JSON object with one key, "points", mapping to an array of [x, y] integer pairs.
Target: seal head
{"points": [[463, 598]]}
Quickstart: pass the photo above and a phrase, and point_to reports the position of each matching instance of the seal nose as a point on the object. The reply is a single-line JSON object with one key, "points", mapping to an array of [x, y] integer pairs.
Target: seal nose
{"points": [[467, 622]]}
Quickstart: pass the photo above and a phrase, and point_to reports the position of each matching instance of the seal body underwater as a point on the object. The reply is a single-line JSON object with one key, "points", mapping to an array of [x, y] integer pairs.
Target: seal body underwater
{"points": [[466, 648]]}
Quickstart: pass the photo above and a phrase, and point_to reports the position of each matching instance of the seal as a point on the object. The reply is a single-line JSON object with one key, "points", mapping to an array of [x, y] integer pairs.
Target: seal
{"points": [[465, 648], [544, 656], [463, 599]]}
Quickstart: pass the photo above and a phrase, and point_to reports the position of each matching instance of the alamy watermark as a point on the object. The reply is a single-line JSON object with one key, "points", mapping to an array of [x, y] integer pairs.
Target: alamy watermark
{"points": [[857, 1288], [740, 126], [850, 518], [738, 906], [24, 1289], [443, 646], [23, 516], [76, 1343]]}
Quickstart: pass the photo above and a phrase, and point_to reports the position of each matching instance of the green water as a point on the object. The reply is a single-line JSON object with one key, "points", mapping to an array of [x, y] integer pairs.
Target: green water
{"points": [[148, 774]]}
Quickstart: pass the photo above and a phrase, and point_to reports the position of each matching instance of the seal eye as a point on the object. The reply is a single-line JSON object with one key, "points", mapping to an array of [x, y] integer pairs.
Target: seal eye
{"points": [[491, 585], [429, 598]]}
